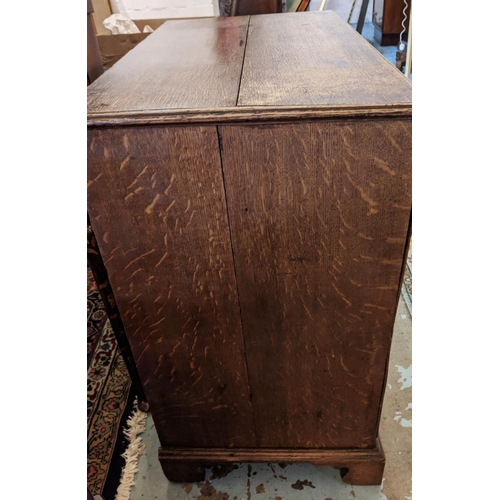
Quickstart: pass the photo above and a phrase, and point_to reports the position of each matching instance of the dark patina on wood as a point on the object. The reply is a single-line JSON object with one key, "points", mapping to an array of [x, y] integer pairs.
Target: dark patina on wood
{"points": [[251, 198]]}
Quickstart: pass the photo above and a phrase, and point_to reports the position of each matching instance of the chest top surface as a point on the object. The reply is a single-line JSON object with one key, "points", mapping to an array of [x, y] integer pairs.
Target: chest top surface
{"points": [[227, 65]]}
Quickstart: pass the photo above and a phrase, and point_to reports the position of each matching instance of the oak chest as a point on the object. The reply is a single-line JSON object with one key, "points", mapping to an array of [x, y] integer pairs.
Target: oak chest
{"points": [[250, 192]]}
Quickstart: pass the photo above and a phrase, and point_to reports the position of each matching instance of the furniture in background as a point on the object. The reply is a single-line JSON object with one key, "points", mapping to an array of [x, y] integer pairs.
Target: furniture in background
{"points": [[387, 20], [252, 208], [252, 7]]}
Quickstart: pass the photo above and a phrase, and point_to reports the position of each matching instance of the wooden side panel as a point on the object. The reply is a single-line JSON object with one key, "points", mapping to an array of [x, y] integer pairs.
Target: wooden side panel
{"points": [[315, 58], [319, 215], [193, 63], [157, 205]]}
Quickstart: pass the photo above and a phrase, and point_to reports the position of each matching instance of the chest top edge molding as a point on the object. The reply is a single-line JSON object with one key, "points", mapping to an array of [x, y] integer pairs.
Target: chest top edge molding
{"points": [[247, 114]]}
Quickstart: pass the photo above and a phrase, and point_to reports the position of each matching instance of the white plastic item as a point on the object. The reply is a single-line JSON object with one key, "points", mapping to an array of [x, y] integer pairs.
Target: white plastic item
{"points": [[118, 24]]}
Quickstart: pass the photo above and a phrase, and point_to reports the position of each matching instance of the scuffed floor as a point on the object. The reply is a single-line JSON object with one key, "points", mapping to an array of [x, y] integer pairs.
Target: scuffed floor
{"points": [[304, 481], [396, 422]]}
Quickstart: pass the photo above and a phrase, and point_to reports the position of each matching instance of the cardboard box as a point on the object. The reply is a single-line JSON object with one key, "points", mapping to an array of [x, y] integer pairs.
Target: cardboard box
{"points": [[100, 10], [114, 47]]}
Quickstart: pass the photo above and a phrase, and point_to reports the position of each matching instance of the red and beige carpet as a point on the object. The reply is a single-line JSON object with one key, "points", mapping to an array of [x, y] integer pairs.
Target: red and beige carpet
{"points": [[110, 399]]}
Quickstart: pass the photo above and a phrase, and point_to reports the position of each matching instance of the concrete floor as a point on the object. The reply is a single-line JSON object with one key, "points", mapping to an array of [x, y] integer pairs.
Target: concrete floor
{"points": [[304, 481]]}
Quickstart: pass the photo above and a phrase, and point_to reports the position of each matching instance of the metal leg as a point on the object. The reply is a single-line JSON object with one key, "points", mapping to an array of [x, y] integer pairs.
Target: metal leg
{"points": [[362, 16]]}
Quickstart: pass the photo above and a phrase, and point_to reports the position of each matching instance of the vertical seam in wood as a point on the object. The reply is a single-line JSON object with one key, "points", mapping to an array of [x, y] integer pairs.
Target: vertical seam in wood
{"points": [[219, 137], [242, 66], [401, 278]]}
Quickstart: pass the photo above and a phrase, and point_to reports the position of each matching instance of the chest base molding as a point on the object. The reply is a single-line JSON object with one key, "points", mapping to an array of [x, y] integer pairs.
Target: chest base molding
{"points": [[357, 466]]}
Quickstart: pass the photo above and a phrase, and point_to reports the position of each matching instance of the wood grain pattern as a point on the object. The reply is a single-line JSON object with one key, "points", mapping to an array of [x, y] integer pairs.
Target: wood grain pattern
{"points": [[363, 467], [157, 206], [183, 64], [315, 58], [319, 216]]}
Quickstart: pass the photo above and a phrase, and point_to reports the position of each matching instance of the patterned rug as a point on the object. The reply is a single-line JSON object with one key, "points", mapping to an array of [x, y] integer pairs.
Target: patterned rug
{"points": [[109, 399], [406, 289]]}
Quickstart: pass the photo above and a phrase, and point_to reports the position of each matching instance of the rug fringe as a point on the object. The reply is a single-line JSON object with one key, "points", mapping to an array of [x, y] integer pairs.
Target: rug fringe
{"points": [[136, 424], [406, 290]]}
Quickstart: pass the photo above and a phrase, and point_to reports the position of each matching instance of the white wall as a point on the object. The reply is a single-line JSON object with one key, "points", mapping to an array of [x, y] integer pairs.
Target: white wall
{"points": [[169, 9]]}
